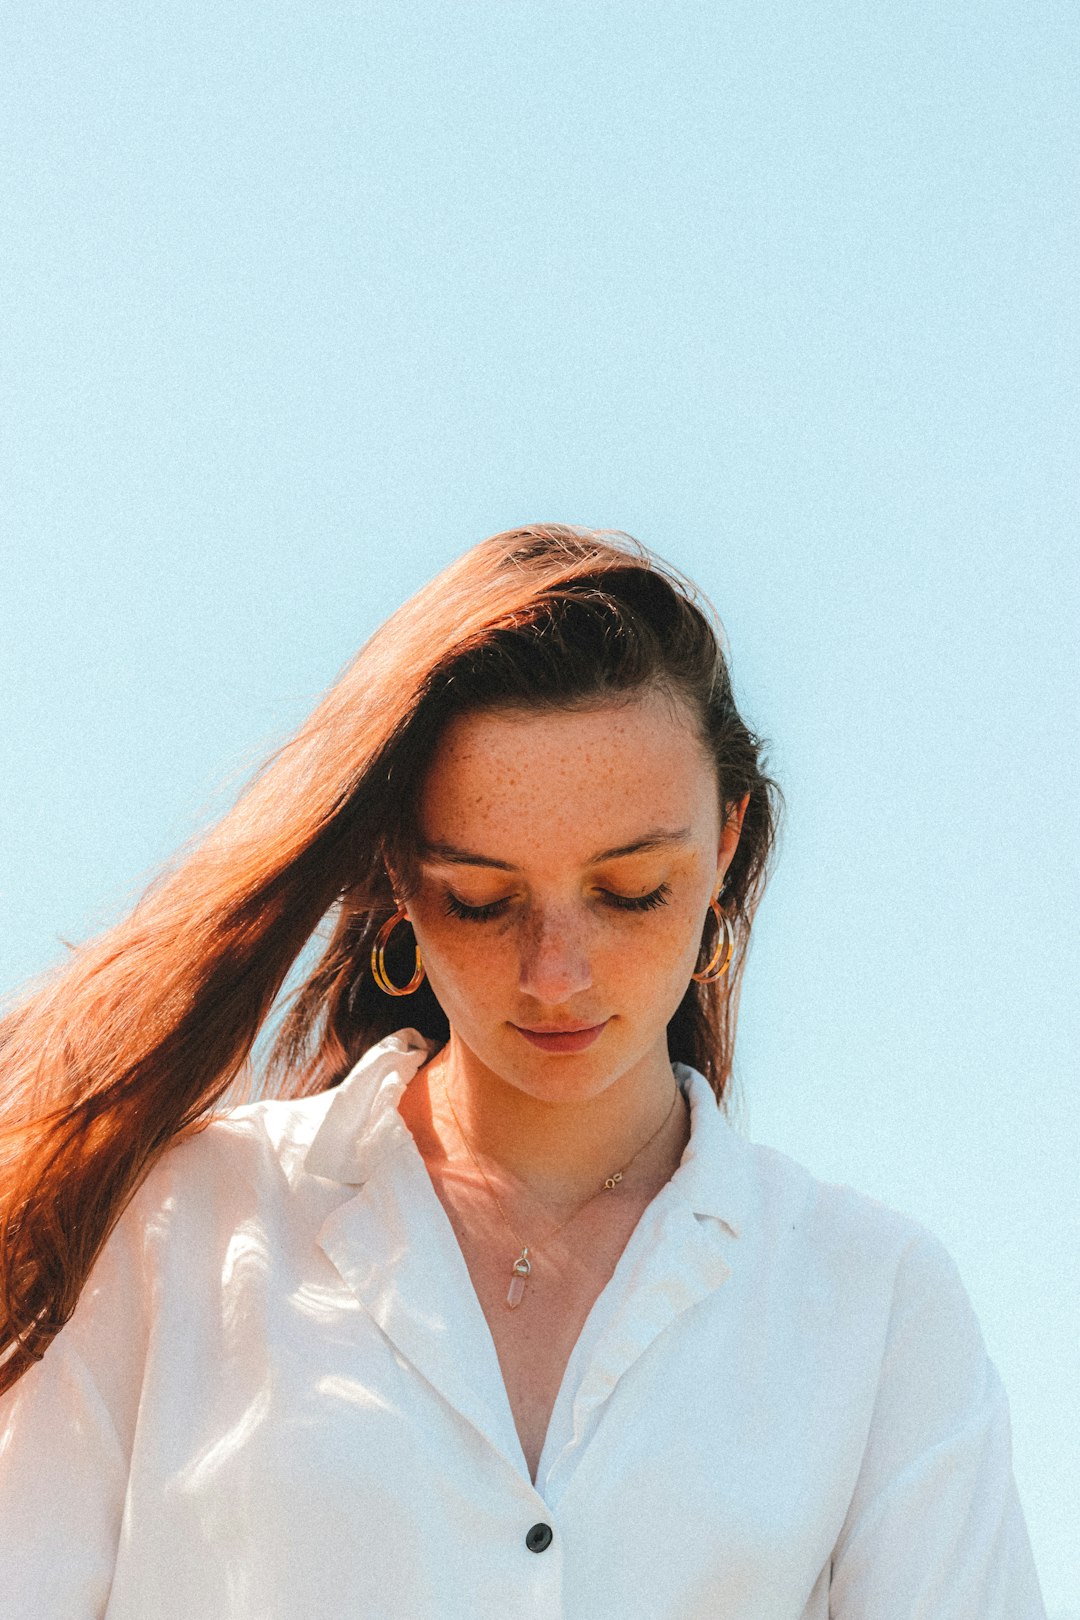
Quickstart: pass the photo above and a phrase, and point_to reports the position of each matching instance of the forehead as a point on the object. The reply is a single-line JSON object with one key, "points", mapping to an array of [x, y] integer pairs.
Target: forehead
{"points": [[519, 784]]}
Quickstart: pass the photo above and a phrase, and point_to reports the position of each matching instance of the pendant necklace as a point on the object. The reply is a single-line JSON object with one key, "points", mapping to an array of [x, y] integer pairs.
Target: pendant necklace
{"points": [[522, 1267]]}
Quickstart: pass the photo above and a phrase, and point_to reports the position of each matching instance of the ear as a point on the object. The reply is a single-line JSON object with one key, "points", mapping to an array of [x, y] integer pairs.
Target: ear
{"points": [[393, 880], [730, 833]]}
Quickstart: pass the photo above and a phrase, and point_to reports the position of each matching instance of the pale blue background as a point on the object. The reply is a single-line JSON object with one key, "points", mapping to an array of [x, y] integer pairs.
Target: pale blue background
{"points": [[300, 300]]}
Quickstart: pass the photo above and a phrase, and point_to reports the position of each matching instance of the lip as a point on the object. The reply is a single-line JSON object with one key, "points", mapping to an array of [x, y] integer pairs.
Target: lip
{"points": [[567, 1039]]}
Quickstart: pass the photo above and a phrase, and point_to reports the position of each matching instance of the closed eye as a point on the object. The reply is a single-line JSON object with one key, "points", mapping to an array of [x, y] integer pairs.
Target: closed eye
{"points": [[458, 908], [620, 902], [641, 902]]}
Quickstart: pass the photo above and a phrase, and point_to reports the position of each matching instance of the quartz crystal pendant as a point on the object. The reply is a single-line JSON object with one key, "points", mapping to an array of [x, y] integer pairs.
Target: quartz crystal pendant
{"points": [[522, 1269]]}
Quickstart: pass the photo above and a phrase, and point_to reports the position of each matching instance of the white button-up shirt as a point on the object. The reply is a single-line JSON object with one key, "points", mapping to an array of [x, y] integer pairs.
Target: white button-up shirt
{"points": [[278, 1399]]}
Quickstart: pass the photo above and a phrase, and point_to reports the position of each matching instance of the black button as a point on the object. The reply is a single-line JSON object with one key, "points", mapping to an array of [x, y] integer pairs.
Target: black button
{"points": [[538, 1537]]}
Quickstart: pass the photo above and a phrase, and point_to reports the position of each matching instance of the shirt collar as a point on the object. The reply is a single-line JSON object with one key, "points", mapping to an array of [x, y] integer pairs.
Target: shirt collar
{"points": [[362, 1126], [362, 1123], [714, 1175]]}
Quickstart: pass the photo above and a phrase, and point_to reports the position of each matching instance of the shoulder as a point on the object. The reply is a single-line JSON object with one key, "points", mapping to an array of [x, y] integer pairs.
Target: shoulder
{"points": [[836, 1213], [798, 1235], [851, 1246], [259, 1153], [239, 1168]]}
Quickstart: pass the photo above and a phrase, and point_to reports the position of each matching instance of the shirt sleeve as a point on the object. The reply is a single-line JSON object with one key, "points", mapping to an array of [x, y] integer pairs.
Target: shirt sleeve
{"points": [[66, 1431], [935, 1530]]}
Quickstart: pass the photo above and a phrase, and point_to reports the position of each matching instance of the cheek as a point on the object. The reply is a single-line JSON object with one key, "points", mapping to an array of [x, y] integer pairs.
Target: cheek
{"points": [[463, 958], [660, 953], [654, 957]]}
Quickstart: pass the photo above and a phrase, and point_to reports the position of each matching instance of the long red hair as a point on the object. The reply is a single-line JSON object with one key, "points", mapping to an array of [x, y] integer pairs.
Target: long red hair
{"points": [[135, 1039]]}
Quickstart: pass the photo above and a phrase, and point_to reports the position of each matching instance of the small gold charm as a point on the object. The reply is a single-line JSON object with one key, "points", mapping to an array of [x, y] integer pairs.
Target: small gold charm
{"points": [[611, 1180]]}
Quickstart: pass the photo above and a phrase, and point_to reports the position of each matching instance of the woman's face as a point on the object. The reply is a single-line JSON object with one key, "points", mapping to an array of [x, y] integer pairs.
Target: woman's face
{"points": [[567, 863]]}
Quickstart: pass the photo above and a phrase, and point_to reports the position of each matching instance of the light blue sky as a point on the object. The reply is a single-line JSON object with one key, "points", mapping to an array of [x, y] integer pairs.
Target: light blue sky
{"points": [[298, 301]]}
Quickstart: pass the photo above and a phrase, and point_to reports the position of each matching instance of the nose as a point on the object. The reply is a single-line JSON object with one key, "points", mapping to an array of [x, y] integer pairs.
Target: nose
{"points": [[554, 959]]}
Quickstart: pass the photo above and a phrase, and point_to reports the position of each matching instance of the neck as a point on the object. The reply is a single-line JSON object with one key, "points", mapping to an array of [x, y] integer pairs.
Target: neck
{"points": [[560, 1151]]}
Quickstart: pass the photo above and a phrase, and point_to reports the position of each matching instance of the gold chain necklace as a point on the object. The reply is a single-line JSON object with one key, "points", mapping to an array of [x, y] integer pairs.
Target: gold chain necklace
{"points": [[522, 1267]]}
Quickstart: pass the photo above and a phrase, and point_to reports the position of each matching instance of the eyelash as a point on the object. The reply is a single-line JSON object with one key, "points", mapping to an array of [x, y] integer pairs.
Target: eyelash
{"points": [[620, 902]]}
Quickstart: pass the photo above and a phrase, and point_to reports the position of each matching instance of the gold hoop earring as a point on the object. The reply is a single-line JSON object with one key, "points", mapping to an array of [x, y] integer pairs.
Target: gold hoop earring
{"points": [[725, 948], [378, 964]]}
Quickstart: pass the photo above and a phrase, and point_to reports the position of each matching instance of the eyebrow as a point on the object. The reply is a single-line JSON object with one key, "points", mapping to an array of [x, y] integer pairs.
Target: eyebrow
{"points": [[657, 838]]}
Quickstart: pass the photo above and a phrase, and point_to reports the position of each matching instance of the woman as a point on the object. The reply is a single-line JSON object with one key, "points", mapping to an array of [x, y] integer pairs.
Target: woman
{"points": [[488, 1311]]}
